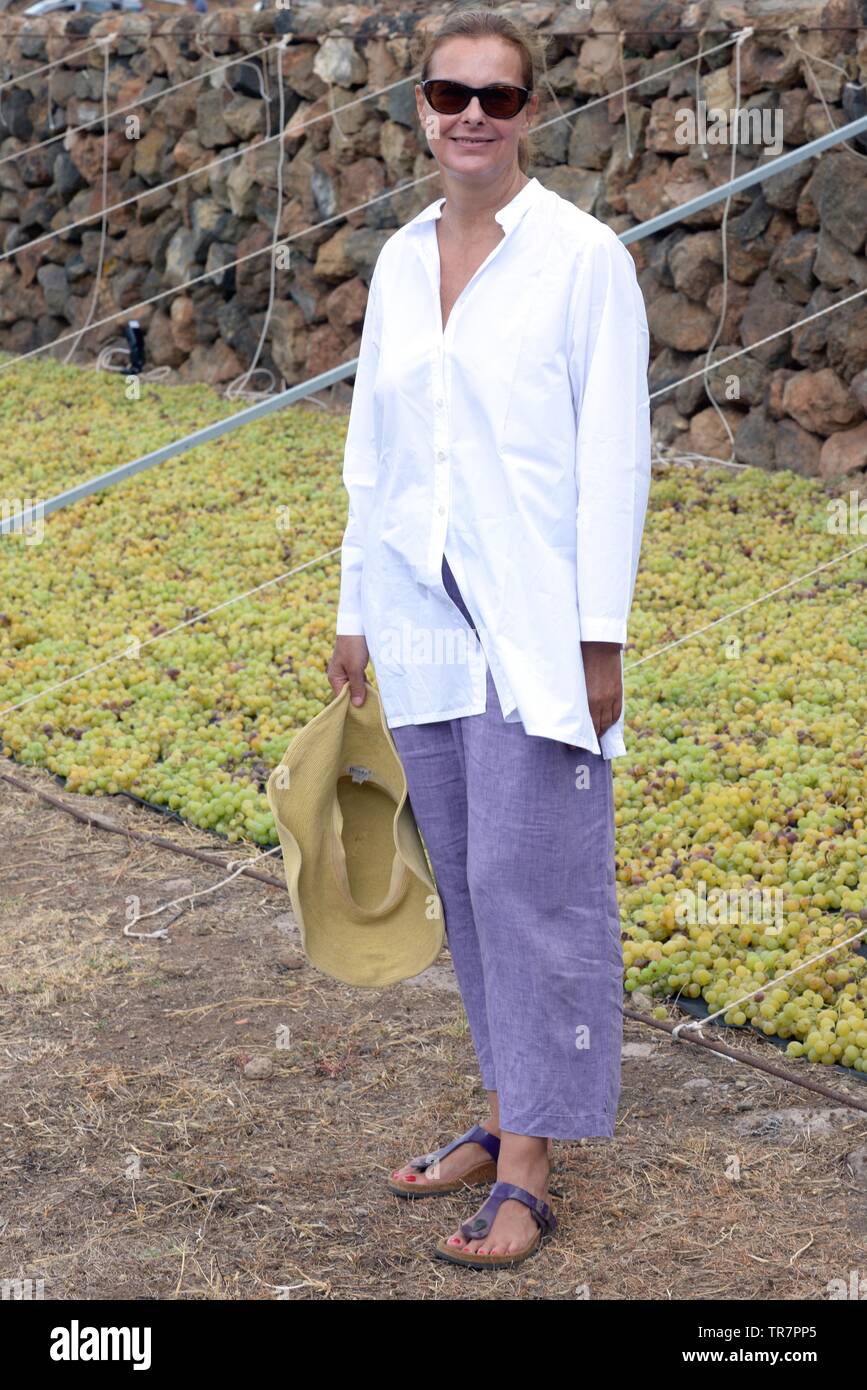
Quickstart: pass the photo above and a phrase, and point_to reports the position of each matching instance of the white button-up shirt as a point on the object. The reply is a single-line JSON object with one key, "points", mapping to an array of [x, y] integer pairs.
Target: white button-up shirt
{"points": [[517, 442]]}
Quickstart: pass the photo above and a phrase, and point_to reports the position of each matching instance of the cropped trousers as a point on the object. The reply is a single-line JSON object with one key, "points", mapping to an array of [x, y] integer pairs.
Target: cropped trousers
{"points": [[520, 834]]}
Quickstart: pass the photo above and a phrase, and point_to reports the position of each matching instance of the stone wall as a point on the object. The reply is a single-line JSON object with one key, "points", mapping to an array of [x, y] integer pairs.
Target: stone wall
{"points": [[794, 245]]}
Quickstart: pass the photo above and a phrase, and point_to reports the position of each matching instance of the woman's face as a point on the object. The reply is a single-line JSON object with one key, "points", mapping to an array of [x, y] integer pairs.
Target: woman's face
{"points": [[472, 144]]}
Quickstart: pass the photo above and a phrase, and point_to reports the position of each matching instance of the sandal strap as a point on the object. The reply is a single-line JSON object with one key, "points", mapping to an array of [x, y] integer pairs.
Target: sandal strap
{"points": [[479, 1225], [476, 1135]]}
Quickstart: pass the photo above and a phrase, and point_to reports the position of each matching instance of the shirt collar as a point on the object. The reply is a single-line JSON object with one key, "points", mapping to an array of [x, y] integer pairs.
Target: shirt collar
{"points": [[508, 216]]}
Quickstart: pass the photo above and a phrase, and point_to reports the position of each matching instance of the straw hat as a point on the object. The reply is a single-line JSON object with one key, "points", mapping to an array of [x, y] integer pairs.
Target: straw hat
{"points": [[355, 865]]}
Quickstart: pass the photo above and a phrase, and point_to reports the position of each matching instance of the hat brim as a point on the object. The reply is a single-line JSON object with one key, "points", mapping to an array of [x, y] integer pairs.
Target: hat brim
{"points": [[356, 872]]}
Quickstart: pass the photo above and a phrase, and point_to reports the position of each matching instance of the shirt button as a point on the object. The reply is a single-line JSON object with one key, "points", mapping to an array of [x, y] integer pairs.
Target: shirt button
{"points": [[441, 454], [442, 511], [439, 400]]}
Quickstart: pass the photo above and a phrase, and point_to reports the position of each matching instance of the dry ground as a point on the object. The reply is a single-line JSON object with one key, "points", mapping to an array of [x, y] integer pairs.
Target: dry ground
{"points": [[138, 1159]]}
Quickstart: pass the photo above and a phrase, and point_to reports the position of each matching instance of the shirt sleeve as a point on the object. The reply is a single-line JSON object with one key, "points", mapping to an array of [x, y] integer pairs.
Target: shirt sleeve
{"points": [[609, 347], [360, 462]]}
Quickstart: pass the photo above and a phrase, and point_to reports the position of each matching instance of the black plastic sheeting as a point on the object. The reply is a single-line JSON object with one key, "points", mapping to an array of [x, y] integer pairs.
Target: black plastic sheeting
{"points": [[131, 796], [697, 1008]]}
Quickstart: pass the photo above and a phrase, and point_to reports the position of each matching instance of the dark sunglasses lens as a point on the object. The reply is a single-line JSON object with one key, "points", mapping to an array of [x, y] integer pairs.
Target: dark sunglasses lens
{"points": [[502, 102], [447, 97]]}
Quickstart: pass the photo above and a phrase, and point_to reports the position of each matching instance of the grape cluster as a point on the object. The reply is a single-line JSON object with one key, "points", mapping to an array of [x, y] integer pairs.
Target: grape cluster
{"points": [[745, 770]]}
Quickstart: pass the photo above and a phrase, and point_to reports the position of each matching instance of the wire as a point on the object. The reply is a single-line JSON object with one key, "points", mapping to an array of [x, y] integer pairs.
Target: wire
{"points": [[836, 66], [399, 33], [57, 62], [337, 217], [721, 1049], [293, 133], [139, 643], [134, 105], [97, 279], [792, 328], [238, 387], [724, 243]]}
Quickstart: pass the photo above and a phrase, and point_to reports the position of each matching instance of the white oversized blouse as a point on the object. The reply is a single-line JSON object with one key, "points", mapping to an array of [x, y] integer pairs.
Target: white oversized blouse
{"points": [[518, 443]]}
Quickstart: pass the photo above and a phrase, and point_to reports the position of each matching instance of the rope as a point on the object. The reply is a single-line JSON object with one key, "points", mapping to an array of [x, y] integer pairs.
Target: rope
{"points": [[57, 62], [132, 105], [774, 980], [296, 130], [724, 243], [162, 932], [733, 613], [180, 178], [97, 279], [238, 386], [159, 841], [792, 328], [179, 627], [175, 289], [793, 35], [620, 42], [840, 1097]]}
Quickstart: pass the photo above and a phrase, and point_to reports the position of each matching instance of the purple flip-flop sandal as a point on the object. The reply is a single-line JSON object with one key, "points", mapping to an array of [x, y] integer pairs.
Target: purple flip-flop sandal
{"points": [[483, 1173], [479, 1225]]}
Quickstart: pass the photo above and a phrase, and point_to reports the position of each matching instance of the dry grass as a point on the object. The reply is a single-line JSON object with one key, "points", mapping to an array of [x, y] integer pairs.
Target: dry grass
{"points": [[140, 1161]]}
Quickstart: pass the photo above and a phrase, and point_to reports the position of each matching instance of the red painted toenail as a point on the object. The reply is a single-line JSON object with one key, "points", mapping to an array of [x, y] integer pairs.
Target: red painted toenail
{"points": [[410, 1177]]}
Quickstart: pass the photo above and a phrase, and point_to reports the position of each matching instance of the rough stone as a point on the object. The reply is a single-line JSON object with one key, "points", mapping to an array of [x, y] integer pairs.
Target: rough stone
{"points": [[797, 449], [707, 434], [768, 312], [340, 63], [792, 265], [820, 401], [839, 189], [755, 439], [677, 322], [844, 452], [695, 264]]}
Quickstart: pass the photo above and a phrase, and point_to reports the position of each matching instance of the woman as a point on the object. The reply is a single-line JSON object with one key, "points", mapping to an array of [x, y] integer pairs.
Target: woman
{"points": [[497, 464]]}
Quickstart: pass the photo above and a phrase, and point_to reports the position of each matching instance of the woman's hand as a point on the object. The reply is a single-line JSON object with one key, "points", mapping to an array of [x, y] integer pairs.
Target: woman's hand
{"points": [[348, 662], [603, 676], [604, 679]]}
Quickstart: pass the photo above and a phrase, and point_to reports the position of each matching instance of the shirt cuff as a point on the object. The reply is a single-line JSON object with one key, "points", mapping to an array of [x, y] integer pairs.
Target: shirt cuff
{"points": [[349, 625], [602, 630]]}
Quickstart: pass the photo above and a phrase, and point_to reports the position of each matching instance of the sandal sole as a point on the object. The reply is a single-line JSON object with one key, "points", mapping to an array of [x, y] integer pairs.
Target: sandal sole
{"points": [[475, 1177], [443, 1252]]}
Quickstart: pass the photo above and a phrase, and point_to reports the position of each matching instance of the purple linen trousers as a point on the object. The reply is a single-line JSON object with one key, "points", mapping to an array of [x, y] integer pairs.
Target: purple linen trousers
{"points": [[520, 835]]}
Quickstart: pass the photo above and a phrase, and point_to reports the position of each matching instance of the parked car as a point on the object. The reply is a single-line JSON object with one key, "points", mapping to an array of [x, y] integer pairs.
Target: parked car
{"points": [[106, 6], [82, 6]]}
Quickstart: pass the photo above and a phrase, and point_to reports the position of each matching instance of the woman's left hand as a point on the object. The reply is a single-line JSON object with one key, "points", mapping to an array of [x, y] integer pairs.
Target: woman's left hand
{"points": [[603, 676]]}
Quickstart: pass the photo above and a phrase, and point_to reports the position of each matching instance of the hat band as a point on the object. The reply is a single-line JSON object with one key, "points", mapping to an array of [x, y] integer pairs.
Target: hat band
{"points": [[400, 877]]}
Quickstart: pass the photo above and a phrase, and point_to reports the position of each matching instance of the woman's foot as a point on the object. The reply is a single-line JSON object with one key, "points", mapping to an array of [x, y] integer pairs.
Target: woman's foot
{"points": [[460, 1161], [525, 1161]]}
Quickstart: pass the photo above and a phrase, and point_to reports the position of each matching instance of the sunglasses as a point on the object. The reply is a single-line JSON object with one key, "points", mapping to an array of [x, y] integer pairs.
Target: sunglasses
{"points": [[500, 101]]}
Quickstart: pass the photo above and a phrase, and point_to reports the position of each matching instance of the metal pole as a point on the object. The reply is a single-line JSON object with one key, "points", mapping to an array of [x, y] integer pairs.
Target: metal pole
{"points": [[346, 369]]}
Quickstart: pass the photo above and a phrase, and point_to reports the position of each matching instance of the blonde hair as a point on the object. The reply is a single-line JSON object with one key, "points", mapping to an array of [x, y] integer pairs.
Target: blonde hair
{"points": [[477, 22]]}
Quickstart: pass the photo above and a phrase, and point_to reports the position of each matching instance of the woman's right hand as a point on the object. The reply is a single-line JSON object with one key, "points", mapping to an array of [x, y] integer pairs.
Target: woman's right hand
{"points": [[348, 662]]}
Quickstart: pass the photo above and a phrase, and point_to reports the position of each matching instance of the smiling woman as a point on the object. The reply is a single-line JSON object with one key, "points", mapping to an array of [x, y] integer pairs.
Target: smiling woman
{"points": [[498, 464]]}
